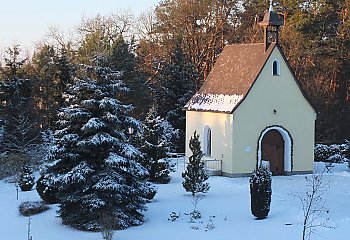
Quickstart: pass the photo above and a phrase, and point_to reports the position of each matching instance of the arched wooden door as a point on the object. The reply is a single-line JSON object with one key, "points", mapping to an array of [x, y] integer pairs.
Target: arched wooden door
{"points": [[272, 147]]}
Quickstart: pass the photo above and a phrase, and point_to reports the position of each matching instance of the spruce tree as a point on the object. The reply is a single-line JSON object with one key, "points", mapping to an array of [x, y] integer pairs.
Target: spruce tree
{"points": [[195, 174], [92, 166], [156, 138], [54, 72], [174, 86], [122, 57]]}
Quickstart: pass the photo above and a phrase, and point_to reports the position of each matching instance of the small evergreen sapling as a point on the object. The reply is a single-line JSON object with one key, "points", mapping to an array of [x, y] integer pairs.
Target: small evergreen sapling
{"points": [[195, 174], [26, 179], [260, 192]]}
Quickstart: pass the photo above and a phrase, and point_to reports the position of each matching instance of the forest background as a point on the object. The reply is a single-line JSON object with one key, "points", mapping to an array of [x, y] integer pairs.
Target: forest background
{"points": [[166, 54]]}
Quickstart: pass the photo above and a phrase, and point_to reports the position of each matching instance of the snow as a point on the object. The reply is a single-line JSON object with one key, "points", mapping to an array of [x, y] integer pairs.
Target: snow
{"points": [[213, 102], [94, 124], [225, 212], [77, 175]]}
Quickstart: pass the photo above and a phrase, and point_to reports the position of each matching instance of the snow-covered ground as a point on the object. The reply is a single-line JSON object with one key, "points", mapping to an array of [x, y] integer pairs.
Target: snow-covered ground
{"points": [[225, 211]]}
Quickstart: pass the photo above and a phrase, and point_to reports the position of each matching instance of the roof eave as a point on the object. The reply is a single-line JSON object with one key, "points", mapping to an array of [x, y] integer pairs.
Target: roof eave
{"points": [[208, 110]]}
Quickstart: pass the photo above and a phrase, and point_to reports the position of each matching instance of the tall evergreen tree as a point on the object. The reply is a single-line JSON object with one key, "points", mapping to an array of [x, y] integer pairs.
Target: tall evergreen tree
{"points": [[53, 72], [173, 87], [93, 166], [18, 107], [122, 57], [195, 174], [156, 138]]}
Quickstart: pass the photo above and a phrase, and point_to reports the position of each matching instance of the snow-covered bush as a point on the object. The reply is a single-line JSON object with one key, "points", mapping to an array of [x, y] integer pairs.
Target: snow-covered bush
{"points": [[31, 208], [335, 153], [260, 192], [46, 191], [195, 214], [173, 216], [26, 179]]}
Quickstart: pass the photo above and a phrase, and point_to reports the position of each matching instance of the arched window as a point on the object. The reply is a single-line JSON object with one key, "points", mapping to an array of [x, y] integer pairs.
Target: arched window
{"points": [[276, 68], [207, 141]]}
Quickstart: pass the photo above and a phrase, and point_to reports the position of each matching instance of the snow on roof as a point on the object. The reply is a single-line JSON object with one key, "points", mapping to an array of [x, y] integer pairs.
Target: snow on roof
{"points": [[213, 102]]}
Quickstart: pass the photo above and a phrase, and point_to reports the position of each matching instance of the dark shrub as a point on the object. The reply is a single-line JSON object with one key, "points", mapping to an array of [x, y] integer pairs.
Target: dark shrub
{"points": [[260, 192], [31, 208], [47, 193], [26, 179]]}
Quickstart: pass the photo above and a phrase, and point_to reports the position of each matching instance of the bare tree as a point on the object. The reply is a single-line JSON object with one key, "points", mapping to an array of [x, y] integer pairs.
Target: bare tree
{"points": [[204, 27], [313, 204], [108, 27], [145, 26], [58, 36]]}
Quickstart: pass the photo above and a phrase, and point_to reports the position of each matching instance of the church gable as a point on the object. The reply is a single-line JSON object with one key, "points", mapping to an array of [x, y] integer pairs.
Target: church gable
{"points": [[276, 88], [276, 85]]}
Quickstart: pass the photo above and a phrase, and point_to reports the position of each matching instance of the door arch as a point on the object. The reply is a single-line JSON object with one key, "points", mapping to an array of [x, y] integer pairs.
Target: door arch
{"points": [[275, 149]]}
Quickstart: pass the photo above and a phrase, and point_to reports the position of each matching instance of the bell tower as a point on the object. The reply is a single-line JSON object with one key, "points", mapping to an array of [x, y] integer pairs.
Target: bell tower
{"points": [[271, 24]]}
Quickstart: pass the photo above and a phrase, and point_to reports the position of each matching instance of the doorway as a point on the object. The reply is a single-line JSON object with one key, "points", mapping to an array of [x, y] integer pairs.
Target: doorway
{"points": [[272, 151]]}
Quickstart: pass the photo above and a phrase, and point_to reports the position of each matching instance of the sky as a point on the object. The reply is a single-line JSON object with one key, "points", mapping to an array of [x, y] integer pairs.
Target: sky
{"points": [[27, 22]]}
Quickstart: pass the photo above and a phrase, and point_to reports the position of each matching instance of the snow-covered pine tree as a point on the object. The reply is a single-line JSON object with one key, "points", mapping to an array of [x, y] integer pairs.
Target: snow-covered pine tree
{"points": [[195, 174], [92, 164], [123, 57], [26, 179], [155, 139]]}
